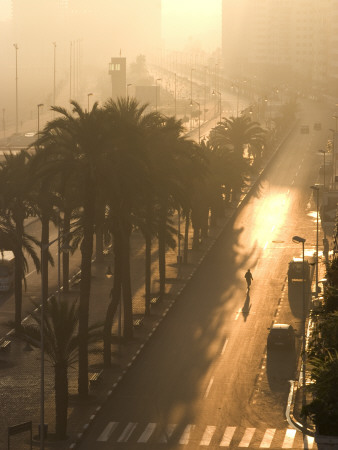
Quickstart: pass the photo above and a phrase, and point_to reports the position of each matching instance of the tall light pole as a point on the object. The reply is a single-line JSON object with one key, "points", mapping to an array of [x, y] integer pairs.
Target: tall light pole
{"points": [[191, 71], [205, 91], [39, 106], [88, 95], [316, 189], [237, 100], [129, 84], [323, 153], [54, 78], [214, 92], [4, 121], [16, 90], [157, 79], [175, 92], [297, 240], [199, 119]]}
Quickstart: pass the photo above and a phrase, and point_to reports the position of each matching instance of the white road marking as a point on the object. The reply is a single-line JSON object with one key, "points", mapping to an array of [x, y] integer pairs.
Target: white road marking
{"points": [[207, 436], [245, 442], [308, 441], [267, 438], [288, 192], [127, 432], [273, 228], [224, 346], [186, 435], [147, 432], [293, 182], [107, 432], [209, 387], [238, 313], [289, 438], [266, 244], [229, 432], [166, 435]]}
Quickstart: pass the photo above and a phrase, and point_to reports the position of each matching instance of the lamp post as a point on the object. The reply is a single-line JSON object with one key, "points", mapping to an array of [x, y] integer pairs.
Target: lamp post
{"points": [[39, 106], [323, 153], [16, 90], [316, 189], [191, 96], [199, 118], [175, 106], [214, 92], [109, 274], [54, 79], [88, 95], [157, 79], [205, 91], [297, 240], [237, 99], [3, 121], [129, 84]]}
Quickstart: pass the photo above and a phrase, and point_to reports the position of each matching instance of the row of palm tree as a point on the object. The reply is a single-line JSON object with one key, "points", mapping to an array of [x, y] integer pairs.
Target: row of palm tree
{"points": [[106, 172]]}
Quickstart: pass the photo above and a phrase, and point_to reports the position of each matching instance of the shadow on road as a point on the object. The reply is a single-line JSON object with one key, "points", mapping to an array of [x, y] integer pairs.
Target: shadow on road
{"points": [[247, 306], [281, 367]]}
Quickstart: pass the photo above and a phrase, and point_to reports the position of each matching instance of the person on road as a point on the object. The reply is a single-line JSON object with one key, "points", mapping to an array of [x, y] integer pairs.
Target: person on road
{"points": [[248, 277]]}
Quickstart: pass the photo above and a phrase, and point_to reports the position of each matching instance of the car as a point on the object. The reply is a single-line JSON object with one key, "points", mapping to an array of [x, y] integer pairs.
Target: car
{"points": [[305, 129], [317, 126], [281, 335]]}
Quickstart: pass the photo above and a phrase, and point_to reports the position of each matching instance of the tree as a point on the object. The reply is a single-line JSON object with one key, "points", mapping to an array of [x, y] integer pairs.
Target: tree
{"points": [[78, 140], [61, 341], [16, 188]]}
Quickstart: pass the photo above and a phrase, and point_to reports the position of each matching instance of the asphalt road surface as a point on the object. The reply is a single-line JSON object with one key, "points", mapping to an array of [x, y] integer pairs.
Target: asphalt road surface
{"points": [[205, 379]]}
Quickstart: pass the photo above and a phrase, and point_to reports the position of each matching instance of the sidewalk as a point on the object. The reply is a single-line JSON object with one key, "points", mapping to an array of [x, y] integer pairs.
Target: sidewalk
{"points": [[20, 366]]}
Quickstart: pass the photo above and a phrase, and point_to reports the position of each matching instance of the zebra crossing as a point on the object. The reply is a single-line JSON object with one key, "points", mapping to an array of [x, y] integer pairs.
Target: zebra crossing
{"points": [[230, 436]]}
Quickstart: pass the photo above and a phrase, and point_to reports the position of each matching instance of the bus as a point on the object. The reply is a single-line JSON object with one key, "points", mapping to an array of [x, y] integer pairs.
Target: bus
{"points": [[6, 271]]}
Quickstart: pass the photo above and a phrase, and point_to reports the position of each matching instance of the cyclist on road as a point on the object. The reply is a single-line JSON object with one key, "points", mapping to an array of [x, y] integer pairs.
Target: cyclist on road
{"points": [[249, 278]]}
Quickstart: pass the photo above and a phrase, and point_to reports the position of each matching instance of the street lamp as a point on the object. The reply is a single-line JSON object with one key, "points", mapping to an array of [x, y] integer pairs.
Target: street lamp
{"points": [[88, 95], [54, 89], [191, 96], [109, 274], [16, 89], [129, 84], [214, 92], [39, 106], [175, 108], [323, 153], [157, 79], [297, 240], [316, 189], [199, 118], [3, 121]]}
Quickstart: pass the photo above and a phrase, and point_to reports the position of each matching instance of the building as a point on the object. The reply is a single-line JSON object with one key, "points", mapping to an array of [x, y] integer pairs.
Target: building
{"points": [[118, 73]]}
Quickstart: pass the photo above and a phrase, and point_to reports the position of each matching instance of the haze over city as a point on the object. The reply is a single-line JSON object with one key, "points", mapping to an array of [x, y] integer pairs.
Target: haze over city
{"points": [[168, 224]]}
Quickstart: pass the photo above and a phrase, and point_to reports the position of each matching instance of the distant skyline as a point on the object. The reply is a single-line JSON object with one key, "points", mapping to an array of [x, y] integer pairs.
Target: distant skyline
{"points": [[183, 22]]}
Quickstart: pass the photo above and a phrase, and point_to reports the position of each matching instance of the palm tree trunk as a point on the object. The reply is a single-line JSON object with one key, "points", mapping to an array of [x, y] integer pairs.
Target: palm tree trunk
{"points": [[113, 304], [44, 249], [186, 236], [99, 230], [162, 246], [86, 261], [61, 400], [65, 255], [126, 289], [148, 259], [18, 274]]}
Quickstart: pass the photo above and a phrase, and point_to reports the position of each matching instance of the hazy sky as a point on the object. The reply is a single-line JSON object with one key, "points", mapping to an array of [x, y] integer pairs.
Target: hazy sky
{"points": [[182, 19]]}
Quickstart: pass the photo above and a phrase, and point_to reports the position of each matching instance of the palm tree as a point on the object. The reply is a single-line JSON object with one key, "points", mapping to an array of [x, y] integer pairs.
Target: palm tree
{"points": [[126, 124], [61, 341], [78, 140], [16, 188]]}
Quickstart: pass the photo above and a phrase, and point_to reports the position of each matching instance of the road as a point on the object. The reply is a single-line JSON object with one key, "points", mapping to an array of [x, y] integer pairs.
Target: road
{"points": [[204, 379]]}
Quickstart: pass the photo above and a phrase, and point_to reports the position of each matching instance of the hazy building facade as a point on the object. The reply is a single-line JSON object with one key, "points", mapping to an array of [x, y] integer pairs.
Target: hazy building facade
{"points": [[282, 41]]}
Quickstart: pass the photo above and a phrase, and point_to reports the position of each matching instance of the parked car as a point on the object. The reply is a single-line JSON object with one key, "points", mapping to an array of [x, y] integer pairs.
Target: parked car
{"points": [[305, 129], [281, 335]]}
